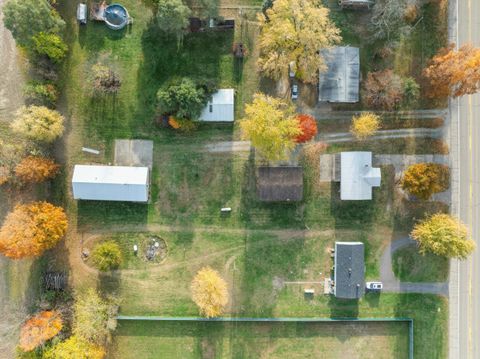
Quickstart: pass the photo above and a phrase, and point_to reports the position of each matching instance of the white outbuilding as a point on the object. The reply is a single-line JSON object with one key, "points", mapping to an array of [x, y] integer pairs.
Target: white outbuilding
{"points": [[110, 183], [220, 108], [357, 176]]}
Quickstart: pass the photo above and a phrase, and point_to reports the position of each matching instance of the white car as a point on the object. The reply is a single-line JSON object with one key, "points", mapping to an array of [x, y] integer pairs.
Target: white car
{"points": [[294, 92], [374, 286], [82, 13]]}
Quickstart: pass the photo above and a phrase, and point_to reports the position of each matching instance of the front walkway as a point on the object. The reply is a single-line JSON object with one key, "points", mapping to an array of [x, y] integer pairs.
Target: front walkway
{"points": [[393, 284]]}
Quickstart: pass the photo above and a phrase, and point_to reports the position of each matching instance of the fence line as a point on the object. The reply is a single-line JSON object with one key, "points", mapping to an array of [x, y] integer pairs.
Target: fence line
{"points": [[278, 320]]}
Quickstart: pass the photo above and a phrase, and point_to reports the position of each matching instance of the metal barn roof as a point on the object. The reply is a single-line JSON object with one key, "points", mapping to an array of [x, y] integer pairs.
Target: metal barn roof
{"points": [[110, 183], [220, 108], [349, 275], [340, 82], [357, 176]]}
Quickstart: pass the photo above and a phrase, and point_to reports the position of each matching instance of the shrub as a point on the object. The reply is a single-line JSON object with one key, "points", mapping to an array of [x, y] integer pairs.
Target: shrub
{"points": [[50, 45], [383, 90], [31, 229], [107, 256], [209, 292], [93, 318], [443, 235], [104, 79], [308, 126], [75, 348], [365, 125], [38, 329], [38, 123], [35, 169], [41, 94], [182, 125], [411, 91], [424, 179]]}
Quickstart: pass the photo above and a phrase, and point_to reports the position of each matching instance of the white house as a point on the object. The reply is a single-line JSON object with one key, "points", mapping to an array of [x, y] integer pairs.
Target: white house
{"points": [[357, 176], [110, 183], [220, 108]]}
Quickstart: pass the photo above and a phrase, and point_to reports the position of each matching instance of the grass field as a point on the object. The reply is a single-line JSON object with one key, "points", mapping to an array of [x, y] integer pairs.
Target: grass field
{"points": [[258, 246], [261, 340], [410, 266]]}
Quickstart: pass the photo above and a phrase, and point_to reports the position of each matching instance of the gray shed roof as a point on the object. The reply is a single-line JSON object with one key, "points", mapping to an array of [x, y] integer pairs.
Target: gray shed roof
{"points": [[275, 184], [349, 275], [340, 82]]}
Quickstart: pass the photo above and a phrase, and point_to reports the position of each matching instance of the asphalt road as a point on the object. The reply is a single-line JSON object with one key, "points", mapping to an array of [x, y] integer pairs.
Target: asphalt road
{"points": [[467, 110]]}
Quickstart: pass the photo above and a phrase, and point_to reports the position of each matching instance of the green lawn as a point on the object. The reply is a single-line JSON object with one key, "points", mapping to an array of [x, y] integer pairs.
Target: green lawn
{"points": [[260, 340], [410, 266], [190, 185]]}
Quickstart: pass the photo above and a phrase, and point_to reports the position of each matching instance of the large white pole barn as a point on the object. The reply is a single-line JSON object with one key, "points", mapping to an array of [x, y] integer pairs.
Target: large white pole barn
{"points": [[110, 183]]}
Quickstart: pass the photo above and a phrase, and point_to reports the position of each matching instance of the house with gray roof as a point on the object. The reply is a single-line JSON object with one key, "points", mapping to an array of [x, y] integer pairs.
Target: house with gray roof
{"points": [[349, 270], [341, 80]]}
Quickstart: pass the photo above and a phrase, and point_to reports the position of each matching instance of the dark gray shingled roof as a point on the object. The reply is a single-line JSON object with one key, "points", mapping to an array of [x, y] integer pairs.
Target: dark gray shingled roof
{"points": [[275, 184], [340, 82], [349, 270]]}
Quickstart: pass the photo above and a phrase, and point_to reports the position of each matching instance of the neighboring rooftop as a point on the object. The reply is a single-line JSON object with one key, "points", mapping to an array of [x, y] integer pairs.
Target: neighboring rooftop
{"points": [[357, 176], [220, 108], [279, 184], [110, 183], [349, 276], [340, 82]]}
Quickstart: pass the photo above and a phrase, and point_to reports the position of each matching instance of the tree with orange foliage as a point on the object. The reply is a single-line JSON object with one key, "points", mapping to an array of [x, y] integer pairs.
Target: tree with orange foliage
{"points": [[35, 169], [454, 72], [308, 126], [209, 292], [31, 229], [40, 328]]}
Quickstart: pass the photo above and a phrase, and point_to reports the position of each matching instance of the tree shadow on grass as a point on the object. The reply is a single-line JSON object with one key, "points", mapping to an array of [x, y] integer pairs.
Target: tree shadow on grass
{"points": [[343, 308], [269, 260]]}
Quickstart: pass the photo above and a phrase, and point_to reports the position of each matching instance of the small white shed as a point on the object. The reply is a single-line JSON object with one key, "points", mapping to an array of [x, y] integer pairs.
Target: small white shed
{"points": [[220, 108], [110, 183]]}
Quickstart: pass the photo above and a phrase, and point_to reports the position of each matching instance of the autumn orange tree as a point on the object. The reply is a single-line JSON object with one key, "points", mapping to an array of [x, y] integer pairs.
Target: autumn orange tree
{"points": [[424, 179], [40, 328], [454, 72], [36, 169], [31, 229], [209, 292], [308, 126]]}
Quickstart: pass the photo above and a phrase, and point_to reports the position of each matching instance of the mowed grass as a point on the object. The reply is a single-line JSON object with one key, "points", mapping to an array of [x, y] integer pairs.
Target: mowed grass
{"points": [[190, 185], [411, 266], [186, 340]]}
